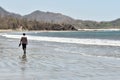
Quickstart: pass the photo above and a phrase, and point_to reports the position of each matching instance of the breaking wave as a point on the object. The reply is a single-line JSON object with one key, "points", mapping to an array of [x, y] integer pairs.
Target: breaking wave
{"points": [[104, 42]]}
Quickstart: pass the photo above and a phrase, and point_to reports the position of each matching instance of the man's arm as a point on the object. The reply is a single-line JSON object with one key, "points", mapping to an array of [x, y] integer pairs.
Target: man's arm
{"points": [[20, 42]]}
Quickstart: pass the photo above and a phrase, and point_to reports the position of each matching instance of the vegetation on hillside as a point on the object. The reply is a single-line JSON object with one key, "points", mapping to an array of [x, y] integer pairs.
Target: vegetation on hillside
{"points": [[10, 22], [97, 25], [39, 20]]}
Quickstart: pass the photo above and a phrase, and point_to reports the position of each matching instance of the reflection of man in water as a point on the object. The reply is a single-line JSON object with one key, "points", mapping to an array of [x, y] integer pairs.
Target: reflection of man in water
{"points": [[24, 42]]}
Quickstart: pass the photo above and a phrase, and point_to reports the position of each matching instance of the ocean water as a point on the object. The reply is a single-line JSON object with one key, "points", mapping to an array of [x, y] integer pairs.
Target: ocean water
{"points": [[71, 55], [101, 43]]}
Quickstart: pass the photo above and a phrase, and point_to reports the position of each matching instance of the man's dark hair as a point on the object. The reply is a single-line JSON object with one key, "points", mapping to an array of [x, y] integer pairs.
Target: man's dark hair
{"points": [[23, 33]]}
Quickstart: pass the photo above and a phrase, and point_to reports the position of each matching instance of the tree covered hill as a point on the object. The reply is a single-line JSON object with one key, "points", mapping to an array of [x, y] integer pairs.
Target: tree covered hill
{"points": [[39, 20], [35, 21], [98, 25]]}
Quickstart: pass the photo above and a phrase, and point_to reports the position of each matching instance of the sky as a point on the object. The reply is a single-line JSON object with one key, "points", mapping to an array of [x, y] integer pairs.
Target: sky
{"points": [[96, 10]]}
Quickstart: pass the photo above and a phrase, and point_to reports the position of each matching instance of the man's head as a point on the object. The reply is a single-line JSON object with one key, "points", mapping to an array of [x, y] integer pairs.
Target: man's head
{"points": [[23, 34]]}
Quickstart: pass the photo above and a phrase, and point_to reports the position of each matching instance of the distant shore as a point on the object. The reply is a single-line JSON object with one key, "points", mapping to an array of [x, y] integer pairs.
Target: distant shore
{"points": [[99, 29], [6, 30], [10, 30]]}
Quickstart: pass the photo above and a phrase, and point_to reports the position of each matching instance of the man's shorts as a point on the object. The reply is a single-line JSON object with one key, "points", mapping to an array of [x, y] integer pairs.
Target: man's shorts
{"points": [[24, 46]]}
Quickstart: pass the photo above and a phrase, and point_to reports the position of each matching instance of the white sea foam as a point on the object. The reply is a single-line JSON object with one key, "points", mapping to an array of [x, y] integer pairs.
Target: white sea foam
{"points": [[70, 40], [105, 57]]}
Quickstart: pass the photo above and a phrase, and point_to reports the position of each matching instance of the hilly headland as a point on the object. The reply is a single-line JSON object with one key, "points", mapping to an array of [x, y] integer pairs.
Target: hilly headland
{"points": [[39, 20]]}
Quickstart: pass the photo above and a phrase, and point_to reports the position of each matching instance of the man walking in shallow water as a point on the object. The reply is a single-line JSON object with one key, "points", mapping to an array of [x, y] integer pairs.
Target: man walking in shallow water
{"points": [[23, 42]]}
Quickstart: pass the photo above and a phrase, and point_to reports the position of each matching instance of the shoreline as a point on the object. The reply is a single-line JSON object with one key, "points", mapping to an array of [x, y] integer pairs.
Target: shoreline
{"points": [[10, 30], [99, 29], [6, 30]]}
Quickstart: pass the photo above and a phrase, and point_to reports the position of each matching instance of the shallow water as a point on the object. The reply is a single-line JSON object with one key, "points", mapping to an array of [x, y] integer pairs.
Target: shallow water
{"points": [[58, 61]]}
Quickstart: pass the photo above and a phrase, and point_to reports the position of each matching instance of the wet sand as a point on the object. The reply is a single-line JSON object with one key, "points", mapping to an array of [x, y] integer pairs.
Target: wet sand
{"points": [[48, 61]]}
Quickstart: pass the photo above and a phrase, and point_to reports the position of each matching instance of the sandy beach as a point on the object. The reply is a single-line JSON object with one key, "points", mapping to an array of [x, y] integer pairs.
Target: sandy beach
{"points": [[111, 29], [54, 61]]}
